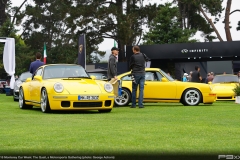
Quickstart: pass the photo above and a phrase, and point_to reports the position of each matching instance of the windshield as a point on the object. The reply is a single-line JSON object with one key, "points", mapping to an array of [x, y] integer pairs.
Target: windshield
{"points": [[64, 71], [24, 76], [225, 79], [98, 75], [166, 75]]}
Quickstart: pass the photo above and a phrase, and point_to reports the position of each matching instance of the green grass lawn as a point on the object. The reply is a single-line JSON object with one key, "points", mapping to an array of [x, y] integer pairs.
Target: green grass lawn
{"points": [[159, 128]]}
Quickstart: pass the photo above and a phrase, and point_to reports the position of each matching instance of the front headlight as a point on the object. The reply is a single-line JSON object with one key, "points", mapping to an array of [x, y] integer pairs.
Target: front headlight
{"points": [[58, 87], [108, 87], [18, 83]]}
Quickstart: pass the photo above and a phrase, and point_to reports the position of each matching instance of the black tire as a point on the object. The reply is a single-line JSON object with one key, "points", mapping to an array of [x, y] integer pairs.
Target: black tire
{"points": [[45, 107], [105, 111], [191, 97], [14, 99], [124, 99], [22, 104]]}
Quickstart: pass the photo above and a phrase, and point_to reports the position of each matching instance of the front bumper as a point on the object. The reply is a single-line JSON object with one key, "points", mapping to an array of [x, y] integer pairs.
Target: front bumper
{"points": [[71, 102]]}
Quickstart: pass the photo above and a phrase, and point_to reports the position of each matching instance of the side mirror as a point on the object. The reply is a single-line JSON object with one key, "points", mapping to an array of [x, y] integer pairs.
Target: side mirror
{"points": [[39, 78], [93, 77], [28, 79], [164, 79]]}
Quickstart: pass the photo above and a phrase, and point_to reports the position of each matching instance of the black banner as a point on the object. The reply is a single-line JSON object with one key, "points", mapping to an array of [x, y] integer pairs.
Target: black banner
{"points": [[190, 50]]}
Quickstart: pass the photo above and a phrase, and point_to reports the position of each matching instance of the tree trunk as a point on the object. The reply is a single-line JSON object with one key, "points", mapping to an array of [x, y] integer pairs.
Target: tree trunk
{"points": [[3, 16], [121, 55], [227, 14], [211, 23], [19, 8]]}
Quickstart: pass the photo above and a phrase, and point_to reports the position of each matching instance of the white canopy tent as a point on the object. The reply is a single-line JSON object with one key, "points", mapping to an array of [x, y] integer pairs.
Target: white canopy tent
{"points": [[9, 58]]}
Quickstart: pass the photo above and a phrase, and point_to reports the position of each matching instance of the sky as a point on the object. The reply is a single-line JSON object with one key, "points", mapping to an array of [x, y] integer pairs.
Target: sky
{"points": [[107, 44]]}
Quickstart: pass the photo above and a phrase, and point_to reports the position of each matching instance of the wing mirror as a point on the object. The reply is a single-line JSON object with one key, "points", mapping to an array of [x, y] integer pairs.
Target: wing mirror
{"points": [[39, 78], [28, 79], [93, 77], [164, 79]]}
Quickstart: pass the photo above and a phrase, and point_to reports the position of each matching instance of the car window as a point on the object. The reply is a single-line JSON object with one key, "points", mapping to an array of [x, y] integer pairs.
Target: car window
{"points": [[64, 71], [151, 76], [160, 76], [24, 76], [38, 72], [225, 79], [166, 75], [98, 75], [127, 78]]}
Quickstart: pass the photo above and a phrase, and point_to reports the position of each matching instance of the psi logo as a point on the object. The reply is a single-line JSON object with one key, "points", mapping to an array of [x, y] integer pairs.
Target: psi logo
{"points": [[228, 157]]}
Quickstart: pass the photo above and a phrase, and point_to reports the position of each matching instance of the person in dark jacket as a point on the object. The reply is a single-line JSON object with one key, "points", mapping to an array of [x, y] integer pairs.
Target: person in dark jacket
{"points": [[34, 65], [112, 64], [137, 65], [196, 77]]}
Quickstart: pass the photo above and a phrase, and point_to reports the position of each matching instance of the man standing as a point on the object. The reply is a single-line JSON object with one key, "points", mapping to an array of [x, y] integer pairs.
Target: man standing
{"points": [[137, 65], [112, 64], [34, 65], [196, 77]]}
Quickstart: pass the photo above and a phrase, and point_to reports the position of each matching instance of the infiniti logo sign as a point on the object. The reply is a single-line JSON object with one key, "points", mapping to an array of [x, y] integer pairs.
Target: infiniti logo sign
{"points": [[193, 50], [184, 51]]}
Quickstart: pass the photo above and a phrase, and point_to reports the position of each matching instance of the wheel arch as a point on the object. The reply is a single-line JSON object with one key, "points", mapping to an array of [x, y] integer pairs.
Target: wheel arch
{"points": [[201, 100]]}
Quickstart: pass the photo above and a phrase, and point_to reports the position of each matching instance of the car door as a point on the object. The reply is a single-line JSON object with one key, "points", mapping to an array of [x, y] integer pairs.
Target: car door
{"points": [[35, 87], [156, 89]]}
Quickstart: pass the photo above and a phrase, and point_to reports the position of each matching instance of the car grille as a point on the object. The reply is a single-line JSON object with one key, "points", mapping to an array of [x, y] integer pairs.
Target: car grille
{"points": [[224, 97], [87, 104]]}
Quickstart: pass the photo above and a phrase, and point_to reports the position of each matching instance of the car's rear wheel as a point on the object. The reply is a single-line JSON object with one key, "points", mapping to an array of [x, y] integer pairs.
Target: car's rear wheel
{"points": [[105, 110], [191, 97], [45, 107], [22, 104], [124, 99]]}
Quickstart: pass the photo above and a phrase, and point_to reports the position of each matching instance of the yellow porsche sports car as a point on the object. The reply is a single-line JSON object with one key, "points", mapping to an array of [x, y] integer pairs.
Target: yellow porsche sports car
{"points": [[65, 87], [223, 86], [160, 87]]}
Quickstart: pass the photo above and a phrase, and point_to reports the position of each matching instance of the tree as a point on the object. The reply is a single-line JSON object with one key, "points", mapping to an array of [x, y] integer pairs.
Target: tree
{"points": [[3, 16], [120, 20], [191, 18], [166, 28]]}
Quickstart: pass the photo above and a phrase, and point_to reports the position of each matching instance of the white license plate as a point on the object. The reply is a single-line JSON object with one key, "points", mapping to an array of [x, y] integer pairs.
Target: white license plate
{"points": [[87, 97]]}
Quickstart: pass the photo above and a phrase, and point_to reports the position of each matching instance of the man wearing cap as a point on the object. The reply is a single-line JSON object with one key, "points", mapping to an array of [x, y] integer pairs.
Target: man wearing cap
{"points": [[112, 64]]}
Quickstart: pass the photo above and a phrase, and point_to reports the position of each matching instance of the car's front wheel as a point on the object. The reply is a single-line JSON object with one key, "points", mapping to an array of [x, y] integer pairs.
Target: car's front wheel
{"points": [[124, 99], [45, 107], [22, 104], [191, 97]]}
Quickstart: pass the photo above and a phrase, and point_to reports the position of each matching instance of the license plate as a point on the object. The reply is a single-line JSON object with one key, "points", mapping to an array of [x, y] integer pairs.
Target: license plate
{"points": [[87, 97]]}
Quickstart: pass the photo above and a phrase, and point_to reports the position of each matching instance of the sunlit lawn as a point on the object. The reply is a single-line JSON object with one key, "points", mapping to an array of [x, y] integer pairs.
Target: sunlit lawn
{"points": [[159, 128]]}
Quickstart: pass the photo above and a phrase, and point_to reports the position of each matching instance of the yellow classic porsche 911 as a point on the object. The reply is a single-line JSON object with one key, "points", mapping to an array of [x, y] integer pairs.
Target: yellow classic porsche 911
{"points": [[65, 87], [223, 86], [160, 87]]}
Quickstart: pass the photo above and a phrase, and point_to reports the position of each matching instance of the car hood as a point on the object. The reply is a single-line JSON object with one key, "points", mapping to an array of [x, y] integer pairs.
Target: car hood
{"points": [[80, 86], [223, 86]]}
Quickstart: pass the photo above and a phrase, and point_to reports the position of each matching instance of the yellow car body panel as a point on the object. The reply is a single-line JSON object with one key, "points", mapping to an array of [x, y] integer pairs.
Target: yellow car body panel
{"points": [[167, 91], [73, 88], [224, 91], [223, 86]]}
